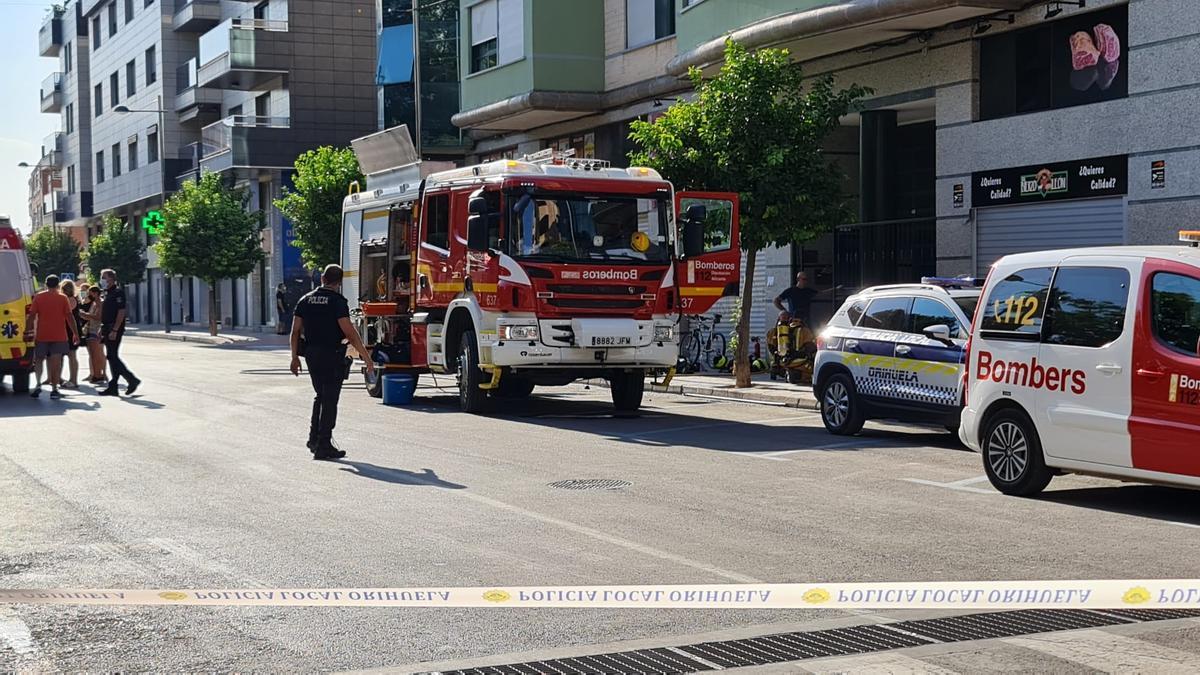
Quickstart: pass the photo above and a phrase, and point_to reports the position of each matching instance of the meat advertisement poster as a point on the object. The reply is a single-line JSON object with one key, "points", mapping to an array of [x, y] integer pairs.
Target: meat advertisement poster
{"points": [[1072, 60]]}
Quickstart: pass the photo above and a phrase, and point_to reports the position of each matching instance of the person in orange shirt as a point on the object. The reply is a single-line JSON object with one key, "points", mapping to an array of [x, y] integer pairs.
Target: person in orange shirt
{"points": [[54, 331]]}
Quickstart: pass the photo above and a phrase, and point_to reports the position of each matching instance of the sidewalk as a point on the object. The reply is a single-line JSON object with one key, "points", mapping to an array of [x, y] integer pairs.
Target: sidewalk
{"points": [[200, 335], [721, 386]]}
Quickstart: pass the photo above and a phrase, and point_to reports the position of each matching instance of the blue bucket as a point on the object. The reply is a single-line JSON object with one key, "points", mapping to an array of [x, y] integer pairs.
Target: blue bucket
{"points": [[398, 389]]}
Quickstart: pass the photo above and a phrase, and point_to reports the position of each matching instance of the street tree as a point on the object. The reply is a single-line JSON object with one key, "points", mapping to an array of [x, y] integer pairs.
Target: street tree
{"points": [[118, 248], [54, 251], [756, 128], [210, 233], [314, 207]]}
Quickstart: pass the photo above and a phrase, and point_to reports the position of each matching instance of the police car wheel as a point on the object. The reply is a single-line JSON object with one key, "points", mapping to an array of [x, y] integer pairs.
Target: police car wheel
{"points": [[841, 411], [1012, 455], [471, 399]]}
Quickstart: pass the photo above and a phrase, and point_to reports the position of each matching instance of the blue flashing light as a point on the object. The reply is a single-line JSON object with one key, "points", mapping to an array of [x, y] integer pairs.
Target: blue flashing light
{"points": [[953, 282]]}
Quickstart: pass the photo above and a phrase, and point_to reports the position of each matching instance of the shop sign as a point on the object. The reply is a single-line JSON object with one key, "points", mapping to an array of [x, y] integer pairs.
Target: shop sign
{"points": [[1036, 183], [1158, 174], [958, 195]]}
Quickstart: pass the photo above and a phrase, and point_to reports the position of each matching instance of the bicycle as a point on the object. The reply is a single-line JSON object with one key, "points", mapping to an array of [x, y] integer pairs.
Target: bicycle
{"points": [[702, 343]]}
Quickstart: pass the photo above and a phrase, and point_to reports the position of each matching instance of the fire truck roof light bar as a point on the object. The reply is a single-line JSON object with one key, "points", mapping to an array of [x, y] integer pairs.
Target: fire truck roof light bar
{"points": [[953, 282]]}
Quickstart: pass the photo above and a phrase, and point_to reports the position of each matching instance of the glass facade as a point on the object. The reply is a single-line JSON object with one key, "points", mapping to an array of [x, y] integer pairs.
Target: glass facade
{"points": [[431, 53]]}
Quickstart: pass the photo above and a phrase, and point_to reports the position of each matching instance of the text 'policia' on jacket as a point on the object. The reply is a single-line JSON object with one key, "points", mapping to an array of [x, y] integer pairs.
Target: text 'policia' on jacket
{"points": [[528, 272]]}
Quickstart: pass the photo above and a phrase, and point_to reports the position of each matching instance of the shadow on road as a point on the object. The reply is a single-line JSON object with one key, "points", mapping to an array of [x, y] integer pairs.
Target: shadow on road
{"points": [[1156, 502], [21, 405], [426, 477], [137, 400]]}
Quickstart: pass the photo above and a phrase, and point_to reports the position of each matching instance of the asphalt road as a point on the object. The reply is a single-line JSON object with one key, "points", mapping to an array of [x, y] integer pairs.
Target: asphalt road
{"points": [[202, 480]]}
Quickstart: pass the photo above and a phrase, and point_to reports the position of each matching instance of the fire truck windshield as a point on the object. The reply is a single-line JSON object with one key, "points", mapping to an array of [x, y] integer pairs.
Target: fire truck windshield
{"points": [[572, 227]]}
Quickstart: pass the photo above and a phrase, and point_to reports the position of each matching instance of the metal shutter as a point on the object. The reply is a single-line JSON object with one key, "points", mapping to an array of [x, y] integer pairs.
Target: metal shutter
{"points": [[351, 249], [1003, 230]]}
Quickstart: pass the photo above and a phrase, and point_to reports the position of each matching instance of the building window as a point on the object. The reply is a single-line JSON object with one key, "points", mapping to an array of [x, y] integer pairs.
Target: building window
{"points": [[130, 78], [112, 19], [69, 121], [262, 105], [98, 99], [133, 154], [1056, 64], [648, 20], [116, 159], [128, 11], [100, 167], [262, 11], [67, 59], [497, 33], [151, 66], [95, 33], [148, 3], [71, 179], [114, 89], [152, 147]]}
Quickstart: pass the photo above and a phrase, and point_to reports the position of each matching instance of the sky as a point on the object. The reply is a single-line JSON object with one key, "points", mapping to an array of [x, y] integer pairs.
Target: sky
{"points": [[23, 125]]}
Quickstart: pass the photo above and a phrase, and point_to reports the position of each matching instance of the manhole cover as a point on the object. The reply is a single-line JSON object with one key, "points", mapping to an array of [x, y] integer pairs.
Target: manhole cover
{"points": [[591, 484]]}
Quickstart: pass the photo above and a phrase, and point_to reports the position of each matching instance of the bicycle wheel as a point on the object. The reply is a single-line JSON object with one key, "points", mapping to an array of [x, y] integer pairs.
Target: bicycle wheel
{"points": [[717, 348], [692, 350]]}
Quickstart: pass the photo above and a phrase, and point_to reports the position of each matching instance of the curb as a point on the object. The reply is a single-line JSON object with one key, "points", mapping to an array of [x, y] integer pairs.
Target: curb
{"points": [[803, 401]]}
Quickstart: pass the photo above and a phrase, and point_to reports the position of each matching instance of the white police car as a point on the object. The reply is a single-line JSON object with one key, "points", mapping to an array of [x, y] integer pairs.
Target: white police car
{"points": [[896, 352]]}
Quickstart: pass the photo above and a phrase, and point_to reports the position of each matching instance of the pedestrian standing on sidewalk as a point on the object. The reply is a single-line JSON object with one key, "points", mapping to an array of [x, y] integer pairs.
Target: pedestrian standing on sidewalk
{"points": [[285, 312], [68, 290], [112, 329], [54, 329], [320, 330]]}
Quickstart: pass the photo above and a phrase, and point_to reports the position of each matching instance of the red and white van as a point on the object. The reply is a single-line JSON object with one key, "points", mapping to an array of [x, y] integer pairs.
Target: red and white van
{"points": [[1087, 361]]}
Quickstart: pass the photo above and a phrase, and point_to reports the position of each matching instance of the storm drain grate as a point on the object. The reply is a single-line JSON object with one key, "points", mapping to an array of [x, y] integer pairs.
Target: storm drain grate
{"points": [[591, 484], [867, 638]]}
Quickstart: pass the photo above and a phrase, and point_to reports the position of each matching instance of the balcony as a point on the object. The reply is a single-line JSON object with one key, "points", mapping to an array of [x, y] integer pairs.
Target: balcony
{"points": [[52, 148], [54, 207], [241, 141], [52, 93], [245, 54], [196, 16], [50, 35], [195, 104]]}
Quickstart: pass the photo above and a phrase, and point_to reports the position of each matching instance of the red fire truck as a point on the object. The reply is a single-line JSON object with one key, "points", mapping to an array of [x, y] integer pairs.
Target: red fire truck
{"points": [[528, 272]]}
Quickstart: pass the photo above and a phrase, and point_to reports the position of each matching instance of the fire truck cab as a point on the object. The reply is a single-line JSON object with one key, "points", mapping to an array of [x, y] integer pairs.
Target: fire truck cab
{"points": [[533, 272]]}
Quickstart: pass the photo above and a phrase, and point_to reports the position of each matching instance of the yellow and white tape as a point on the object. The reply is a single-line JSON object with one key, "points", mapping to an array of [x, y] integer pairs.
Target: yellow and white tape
{"points": [[990, 595]]}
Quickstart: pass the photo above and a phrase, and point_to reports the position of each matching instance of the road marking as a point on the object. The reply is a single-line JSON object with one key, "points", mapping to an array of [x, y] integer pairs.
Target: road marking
{"points": [[828, 446], [15, 633], [959, 486], [603, 536], [1109, 652]]}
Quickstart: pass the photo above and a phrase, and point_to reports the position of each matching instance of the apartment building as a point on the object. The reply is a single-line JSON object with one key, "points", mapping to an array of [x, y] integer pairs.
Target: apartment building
{"points": [[156, 91], [973, 101]]}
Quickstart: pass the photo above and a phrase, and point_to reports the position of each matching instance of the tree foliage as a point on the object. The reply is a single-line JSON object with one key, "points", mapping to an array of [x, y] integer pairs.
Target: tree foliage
{"points": [[756, 128], [314, 207], [118, 248], [54, 251], [210, 234]]}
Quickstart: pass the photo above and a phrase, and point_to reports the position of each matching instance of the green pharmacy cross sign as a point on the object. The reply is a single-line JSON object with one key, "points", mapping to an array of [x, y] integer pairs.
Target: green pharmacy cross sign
{"points": [[153, 222]]}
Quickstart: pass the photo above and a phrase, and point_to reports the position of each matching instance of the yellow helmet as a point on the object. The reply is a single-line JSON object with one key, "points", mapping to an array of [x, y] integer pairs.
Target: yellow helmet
{"points": [[640, 242]]}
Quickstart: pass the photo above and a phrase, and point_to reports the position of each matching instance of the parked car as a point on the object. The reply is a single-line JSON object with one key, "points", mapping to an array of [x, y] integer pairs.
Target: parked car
{"points": [[896, 352], [1088, 361]]}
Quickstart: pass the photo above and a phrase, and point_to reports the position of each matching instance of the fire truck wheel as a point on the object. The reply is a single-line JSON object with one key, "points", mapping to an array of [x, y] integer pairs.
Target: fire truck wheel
{"points": [[374, 384], [513, 386], [20, 383], [471, 399], [627, 390]]}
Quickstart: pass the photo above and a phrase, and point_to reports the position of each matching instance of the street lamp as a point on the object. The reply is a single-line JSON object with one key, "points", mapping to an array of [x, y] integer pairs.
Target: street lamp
{"points": [[162, 164]]}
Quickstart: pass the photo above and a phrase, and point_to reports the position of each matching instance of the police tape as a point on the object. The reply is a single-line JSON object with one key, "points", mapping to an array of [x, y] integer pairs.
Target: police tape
{"points": [[992, 595]]}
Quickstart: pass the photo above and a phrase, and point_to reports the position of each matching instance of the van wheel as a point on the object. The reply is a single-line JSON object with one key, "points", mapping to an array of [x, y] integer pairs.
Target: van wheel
{"points": [[471, 399], [374, 382], [1012, 455], [841, 410], [20, 383], [513, 386], [627, 390]]}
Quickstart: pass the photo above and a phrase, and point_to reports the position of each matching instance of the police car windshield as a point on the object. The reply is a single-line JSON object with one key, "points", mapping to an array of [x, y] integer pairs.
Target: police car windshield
{"points": [[967, 303], [571, 227]]}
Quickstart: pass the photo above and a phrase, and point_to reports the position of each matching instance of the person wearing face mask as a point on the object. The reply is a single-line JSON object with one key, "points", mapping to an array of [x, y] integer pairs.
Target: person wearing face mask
{"points": [[112, 329], [320, 330]]}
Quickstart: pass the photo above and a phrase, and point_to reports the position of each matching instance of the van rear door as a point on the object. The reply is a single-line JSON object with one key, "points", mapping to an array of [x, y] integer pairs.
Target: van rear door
{"points": [[706, 278], [1087, 353], [1165, 421]]}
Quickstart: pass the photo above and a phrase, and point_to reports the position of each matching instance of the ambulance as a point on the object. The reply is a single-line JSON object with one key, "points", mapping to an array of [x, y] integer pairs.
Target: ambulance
{"points": [[1087, 361], [16, 294]]}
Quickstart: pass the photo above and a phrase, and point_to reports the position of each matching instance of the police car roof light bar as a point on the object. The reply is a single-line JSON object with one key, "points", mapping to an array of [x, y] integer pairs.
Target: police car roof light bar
{"points": [[953, 282]]}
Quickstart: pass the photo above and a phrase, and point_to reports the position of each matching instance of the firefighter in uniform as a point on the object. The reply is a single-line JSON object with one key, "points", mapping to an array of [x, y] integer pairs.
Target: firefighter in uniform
{"points": [[322, 323]]}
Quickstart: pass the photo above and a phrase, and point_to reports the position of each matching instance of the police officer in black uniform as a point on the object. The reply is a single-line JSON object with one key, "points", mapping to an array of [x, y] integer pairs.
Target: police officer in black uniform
{"points": [[112, 330], [322, 322]]}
